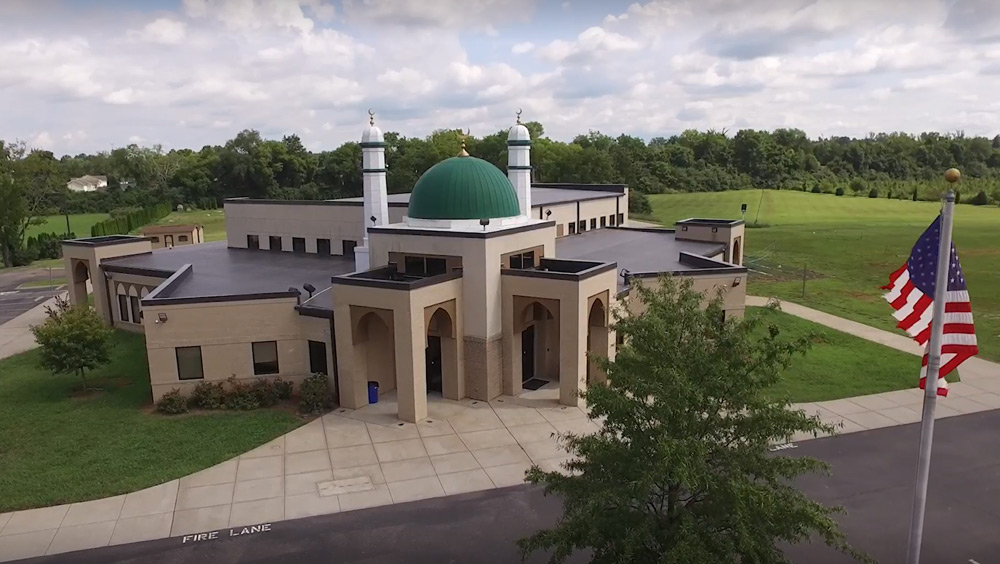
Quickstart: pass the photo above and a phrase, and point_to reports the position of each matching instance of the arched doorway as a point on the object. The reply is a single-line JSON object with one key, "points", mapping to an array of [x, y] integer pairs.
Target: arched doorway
{"points": [[375, 352], [597, 340], [80, 276], [539, 345], [441, 356], [736, 251]]}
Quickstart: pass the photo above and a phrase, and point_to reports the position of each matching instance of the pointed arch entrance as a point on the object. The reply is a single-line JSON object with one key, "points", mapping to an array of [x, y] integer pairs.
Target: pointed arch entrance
{"points": [[535, 341], [441, 353], [597, 339], [79, 277], [375, 350]]}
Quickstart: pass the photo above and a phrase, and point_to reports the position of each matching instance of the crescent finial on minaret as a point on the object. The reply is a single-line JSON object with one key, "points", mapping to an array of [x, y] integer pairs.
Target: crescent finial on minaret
{"points": [[519, 116], [371, 117], [463, 137]]}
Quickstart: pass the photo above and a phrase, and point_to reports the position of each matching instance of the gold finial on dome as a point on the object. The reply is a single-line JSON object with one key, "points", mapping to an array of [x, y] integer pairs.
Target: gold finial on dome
{"points": [[519, 116], [952, 175], [371, 117], [463, 137]]}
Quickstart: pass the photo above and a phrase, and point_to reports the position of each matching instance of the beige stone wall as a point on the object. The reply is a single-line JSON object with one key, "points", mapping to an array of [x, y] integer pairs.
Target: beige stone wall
{"points": [[159, 238], [225, 331], [91, 256], [727, 235], [734, 297], [565, 214], [335, 222], [129, 285]]}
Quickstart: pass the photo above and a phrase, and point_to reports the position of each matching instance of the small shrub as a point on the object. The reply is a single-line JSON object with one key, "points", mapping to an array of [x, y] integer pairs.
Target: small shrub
{"points": [[240, 395], [314, 394], [172, 403], [873, 193], [283, 387], [209, 395], [914, 194], [980, 199], [816, 190], [265, 392], [958, 197], [638, 203], [839, 192]]}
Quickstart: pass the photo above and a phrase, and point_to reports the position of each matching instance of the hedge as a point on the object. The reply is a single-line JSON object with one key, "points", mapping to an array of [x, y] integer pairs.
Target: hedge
{"points": [[131, 221]]}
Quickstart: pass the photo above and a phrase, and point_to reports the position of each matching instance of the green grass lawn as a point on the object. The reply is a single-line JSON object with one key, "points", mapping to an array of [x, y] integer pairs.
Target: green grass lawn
{"points": [[213, 220], [57, 447], [848, 247], [838, 365], [78, 223], [59, 281]]}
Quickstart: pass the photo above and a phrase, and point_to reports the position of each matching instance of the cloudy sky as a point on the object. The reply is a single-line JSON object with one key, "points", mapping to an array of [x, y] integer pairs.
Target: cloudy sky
{"points": [[89, 75]]}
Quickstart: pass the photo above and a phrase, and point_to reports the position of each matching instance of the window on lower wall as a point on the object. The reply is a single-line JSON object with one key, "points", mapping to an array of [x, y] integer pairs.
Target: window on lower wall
{"points": [[182, 238], [136, 309], [604, 221], [611, 220], [253, 242], [593, 223], [583, 226], [265, 357], [323, 247], [155, 239], [522, 261], [123, 307], [572, 228], [189, 365], [274, 243], [621, 218], [298, 245]]}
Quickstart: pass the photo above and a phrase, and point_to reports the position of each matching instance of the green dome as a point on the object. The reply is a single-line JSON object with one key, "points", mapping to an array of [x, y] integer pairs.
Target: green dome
{"points": [[463, 188]]}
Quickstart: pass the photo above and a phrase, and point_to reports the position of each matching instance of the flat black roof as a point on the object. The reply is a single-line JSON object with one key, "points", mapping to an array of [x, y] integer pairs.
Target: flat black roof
{"points": [[217, 270], [636, 250]]}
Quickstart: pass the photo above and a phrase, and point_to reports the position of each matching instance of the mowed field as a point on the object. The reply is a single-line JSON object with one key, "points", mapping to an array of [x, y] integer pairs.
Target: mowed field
{"points": [[847, 247], [214, 222], [78, 223]]}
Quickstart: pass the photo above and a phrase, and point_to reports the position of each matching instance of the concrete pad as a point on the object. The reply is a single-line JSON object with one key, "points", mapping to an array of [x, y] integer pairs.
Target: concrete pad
{"points": [[508, 474], [487, 439], [576, 426], [444, 444], [989, 399], [902, 415], [400, 450], [309, 505], [4, 517], [561, 413], [262, 488], [467, 481], [257, 512], [372, 471], [963, 405], [273, 448], [345, 486], [455, 462], [555, 465], [843, 407], [362, 500], [311, 461], [81, 537], [31, 520], [412, 490], [138, 529], [199, 520], [383, 434], [532, 433], [435, 428], [218, 474], [874, 402], [257, 468], [476, 420], [872, 420], [543, 450], [500, 456], [407, 469], [310, 436], [513, 414], [344, 432], [25, 545], [352, 456], [306, 483], [907, 398], [96, 511], [204, 496]]}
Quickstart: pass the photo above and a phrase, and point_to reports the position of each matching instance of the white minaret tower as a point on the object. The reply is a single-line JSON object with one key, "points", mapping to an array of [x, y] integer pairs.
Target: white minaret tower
{"points": [[519, 164], [375, 188]]}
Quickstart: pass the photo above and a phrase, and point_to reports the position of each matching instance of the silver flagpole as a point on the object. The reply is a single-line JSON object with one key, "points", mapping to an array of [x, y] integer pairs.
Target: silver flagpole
{"points": [[931, 385]]}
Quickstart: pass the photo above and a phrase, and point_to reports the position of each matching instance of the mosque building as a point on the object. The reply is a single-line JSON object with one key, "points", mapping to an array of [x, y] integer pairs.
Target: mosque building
{"points": [[476, 284]]}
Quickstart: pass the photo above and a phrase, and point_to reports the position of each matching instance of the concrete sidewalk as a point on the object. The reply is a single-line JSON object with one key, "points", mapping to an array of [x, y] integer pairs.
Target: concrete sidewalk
{"points": [[15, 335], [979, 389]]}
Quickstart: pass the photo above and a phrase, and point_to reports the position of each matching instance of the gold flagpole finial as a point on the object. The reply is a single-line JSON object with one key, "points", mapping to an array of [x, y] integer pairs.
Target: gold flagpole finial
{"points": [[463, 137]]}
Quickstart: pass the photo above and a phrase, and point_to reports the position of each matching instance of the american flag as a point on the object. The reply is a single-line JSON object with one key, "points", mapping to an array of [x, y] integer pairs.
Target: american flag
{"points": [[911, 294]]}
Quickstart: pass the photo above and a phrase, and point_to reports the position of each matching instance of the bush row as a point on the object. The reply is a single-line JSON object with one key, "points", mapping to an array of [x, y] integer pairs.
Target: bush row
{"points": [[123, 223], [45, 245], [314, 395]]}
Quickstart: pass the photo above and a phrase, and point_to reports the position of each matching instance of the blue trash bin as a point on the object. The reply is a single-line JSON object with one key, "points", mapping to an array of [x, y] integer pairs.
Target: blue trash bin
{"points": [[372, 392]]}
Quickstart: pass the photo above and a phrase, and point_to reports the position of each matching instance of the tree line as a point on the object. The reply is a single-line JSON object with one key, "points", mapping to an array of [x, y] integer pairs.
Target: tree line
{"points": [[890, 164]]}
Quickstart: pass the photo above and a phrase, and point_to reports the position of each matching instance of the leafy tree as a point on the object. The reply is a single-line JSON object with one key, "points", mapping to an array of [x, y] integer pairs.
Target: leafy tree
{"points": [[73, 339], [28, 182], [681, 470]]}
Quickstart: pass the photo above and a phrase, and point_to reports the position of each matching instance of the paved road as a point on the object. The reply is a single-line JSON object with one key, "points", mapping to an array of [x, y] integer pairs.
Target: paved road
{"points": [[873, 474], [14, 302]]}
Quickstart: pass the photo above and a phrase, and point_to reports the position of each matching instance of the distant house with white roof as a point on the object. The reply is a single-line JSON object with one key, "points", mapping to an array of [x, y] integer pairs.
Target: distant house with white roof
{"points": [[88, 183]]}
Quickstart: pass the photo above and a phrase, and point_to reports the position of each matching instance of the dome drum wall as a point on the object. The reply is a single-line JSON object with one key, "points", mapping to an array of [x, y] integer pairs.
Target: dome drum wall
{"points": [[463, 188]]}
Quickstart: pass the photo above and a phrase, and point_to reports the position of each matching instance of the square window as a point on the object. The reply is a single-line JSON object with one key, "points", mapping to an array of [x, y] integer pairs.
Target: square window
{"points": [[593, 223], [515, 262], [253, 242], [323, 247], [436, 265], [604, 221], [528, 260], [274, 243], [123, 307], [298, 245], [621, 219], [136, 310], [583, 226], [414, 266], [182, 238], [189, 365], [572, 228], [265, 357], [155, 239], [611, 220]]}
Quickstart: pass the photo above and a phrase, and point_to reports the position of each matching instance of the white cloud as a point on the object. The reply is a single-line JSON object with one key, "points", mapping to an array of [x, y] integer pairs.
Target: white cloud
{"points": [[256, 14], [480, 15], [522, 48], [165, 31], [42, 141], [594, 41]]}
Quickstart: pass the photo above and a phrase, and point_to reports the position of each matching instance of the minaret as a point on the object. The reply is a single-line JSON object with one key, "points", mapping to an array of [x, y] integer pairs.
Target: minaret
{"points": [[375, 189], [519, 164]]}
